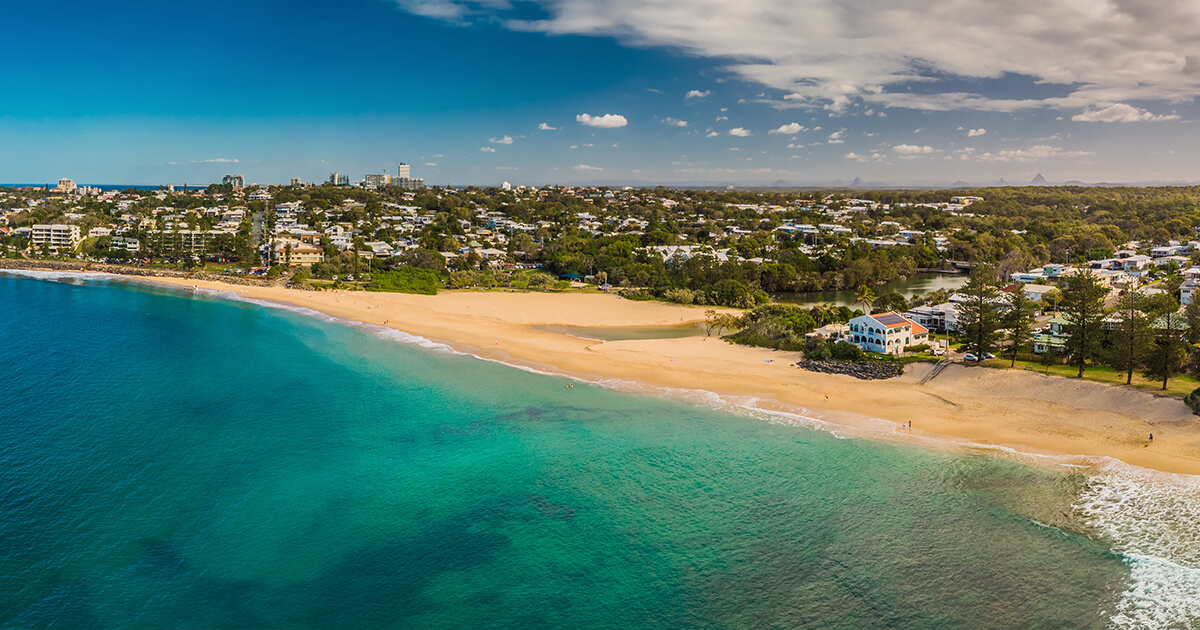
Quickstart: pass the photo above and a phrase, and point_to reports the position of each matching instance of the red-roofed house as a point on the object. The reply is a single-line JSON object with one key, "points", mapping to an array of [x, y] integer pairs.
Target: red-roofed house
{"points": [[886, 333]]}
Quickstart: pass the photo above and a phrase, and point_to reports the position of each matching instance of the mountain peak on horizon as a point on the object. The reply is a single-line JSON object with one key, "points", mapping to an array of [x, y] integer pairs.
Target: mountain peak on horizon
{"points": [[1038, 180]]}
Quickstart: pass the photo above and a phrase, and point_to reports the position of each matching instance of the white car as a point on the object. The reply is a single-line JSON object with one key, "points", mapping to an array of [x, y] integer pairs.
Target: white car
{"points": [[970, 357]]}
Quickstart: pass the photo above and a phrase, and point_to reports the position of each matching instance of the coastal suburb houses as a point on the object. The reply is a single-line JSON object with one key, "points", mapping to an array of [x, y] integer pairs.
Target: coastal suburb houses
{"points": [[886, 333]]}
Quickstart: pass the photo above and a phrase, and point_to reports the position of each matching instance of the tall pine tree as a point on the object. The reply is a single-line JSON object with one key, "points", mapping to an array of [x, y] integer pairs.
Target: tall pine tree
{"points": [[1082, 307], [1131, 335], [978, 320], [1017, 317], [1169, 351]]}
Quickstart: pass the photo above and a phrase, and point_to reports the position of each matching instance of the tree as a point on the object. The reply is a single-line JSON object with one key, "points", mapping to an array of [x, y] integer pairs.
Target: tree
{"points": [[1192, 311], [1017, 317], [866, 297], [977, 316], [1168, 352], [1083, 309], [1131, 335], [719, 321]]}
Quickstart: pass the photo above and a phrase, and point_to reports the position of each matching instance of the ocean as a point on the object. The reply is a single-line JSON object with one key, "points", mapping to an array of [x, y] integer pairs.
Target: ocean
{"points": [[171, 459]]}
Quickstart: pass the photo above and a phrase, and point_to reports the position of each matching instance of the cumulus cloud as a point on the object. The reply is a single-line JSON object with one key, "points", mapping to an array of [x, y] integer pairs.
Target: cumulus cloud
{"points": [[1032, 154], [217, 161], [836, 138], [712, 134], [487, 149], [504, 140], [675, 122], [972, 133], [585, 167], [607, 121], [1120, 113], [912, 149], [740, 132], [788, 129], [546, 127], [431, 164], [1099, 53], [697, 94]]}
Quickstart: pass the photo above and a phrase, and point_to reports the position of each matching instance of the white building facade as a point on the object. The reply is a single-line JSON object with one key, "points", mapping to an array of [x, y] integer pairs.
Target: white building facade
{"points": [[886, 333]]}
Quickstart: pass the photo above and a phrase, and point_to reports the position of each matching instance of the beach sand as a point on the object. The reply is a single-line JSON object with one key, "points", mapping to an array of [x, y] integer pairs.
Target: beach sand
{"points": [[1028, 412]]}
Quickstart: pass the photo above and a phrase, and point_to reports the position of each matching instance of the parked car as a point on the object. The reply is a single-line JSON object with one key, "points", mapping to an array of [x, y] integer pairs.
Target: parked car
{"points": [[989, 355], [970, 357]]}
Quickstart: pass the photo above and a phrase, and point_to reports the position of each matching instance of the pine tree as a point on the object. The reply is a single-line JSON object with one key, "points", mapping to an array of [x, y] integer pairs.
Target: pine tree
{"points": [[1017, 317], [1131, 335], [978, 320], [1083, 309], [1168, 352]]}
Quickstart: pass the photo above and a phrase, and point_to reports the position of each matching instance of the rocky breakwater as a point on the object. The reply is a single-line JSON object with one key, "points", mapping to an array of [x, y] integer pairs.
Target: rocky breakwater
{"points": [[865, 370]]}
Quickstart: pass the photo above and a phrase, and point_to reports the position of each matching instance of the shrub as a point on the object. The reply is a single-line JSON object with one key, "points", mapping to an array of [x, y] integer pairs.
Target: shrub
{"points": [[406, 280], [918, 348], [681, 296], [845, 351], [1192, 400]]}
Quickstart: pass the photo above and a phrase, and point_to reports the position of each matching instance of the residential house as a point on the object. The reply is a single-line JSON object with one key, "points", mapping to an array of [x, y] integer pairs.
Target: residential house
{"points": [[886, 333]]}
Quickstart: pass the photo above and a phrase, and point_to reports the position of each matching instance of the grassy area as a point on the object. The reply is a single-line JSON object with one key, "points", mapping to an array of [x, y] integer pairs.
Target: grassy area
{"points": [[1179, 386]]}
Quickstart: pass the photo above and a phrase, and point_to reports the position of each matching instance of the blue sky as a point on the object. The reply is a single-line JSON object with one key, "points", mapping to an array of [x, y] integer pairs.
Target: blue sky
{"points": [[803, 91]]}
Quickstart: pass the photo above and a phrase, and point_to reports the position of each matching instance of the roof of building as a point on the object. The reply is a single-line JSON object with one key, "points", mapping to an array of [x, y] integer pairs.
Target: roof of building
{"points": [[890, 319]]}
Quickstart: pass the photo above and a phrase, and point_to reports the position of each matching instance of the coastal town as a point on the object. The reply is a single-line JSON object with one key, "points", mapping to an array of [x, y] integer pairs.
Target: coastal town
{"points": [[752, 250]]}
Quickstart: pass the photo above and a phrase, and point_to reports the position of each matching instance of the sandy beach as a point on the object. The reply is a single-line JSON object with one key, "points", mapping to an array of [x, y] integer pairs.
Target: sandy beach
{"points": [[1026, 411]]}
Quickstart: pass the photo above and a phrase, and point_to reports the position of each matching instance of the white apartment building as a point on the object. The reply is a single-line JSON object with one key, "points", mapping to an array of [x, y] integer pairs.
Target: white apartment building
{"points": [[65, 185], [885, 333], [56, 235]]}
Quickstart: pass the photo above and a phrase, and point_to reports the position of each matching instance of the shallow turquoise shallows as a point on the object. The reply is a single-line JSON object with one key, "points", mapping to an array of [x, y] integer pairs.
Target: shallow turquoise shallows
{"points": [[178, 461]]}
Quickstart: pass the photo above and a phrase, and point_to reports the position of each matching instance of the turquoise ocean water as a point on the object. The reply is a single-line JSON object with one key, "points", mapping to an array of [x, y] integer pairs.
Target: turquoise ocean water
{"points": [[171, 460]]}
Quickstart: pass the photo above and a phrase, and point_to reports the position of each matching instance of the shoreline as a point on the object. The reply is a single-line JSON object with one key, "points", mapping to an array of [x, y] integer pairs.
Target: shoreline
{"points": [[967, 407]]}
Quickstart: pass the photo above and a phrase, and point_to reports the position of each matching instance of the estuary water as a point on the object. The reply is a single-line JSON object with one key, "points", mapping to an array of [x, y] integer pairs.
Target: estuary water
{"points": [[174, 460]]}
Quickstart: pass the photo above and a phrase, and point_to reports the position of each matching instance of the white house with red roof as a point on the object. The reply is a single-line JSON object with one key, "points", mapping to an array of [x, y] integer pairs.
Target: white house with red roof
{"points": [[886, 333]]}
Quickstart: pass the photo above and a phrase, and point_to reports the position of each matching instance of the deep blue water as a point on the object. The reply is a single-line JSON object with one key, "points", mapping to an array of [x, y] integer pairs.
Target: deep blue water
{"points": [[178, 461]]}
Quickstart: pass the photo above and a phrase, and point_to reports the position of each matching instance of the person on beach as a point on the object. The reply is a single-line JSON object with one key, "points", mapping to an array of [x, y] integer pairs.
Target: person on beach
{"points": [[1151, 437]]}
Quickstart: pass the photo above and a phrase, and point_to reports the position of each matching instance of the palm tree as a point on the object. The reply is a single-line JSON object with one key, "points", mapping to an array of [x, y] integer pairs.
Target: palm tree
{"points": [[866, 297]]}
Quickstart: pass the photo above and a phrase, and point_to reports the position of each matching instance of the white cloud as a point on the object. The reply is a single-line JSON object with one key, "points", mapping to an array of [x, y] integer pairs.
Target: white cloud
{"points": [[734, 149], [675, 122], [1037, 153], [217, 161], [720, 118], [973, 133], [712, 134], [504, 140], [1120, 113], [546, 127], [585, 167], [836, 138], [795, 145], [698, 94], [912, 149], [431, 164], [607, 121], [1099, 52], [487, 149], [788, 129], [854, 156], [740, 132]]}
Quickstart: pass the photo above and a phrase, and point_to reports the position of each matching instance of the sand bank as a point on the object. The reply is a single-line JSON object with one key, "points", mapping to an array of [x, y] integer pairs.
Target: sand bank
{"points": [[1023, 410]]}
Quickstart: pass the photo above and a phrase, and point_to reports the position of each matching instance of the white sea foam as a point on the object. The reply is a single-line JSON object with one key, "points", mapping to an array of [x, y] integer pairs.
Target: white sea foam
{"points": [[58, 275], [1153, 519]]}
